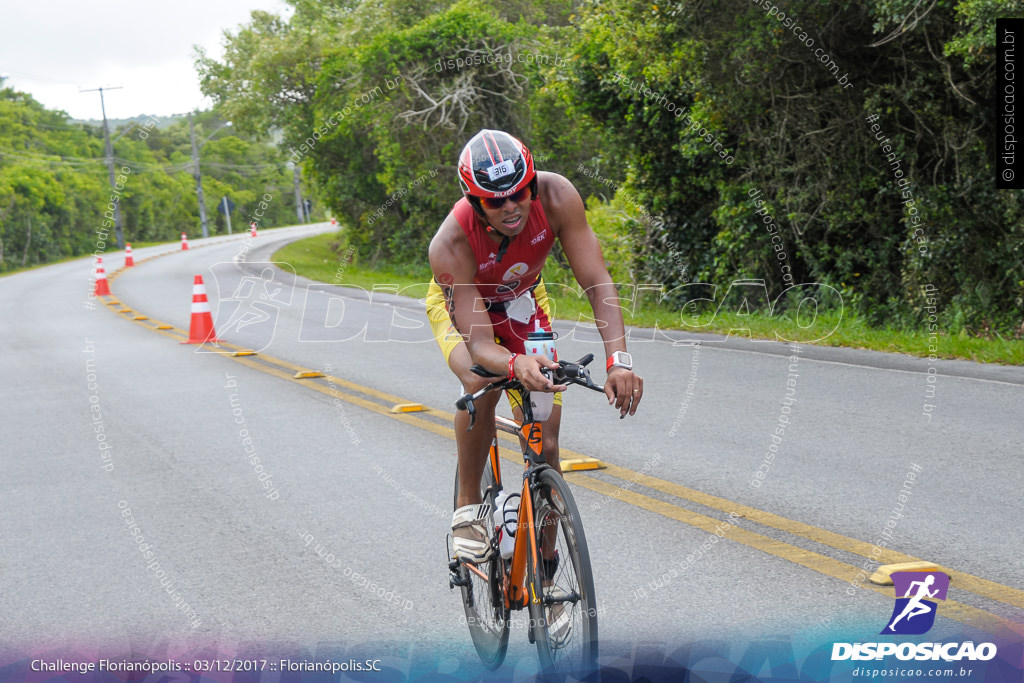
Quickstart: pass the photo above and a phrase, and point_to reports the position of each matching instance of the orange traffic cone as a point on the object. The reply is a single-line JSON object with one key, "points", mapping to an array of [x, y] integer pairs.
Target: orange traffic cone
{"points": [[102, 288], [184, 242], [128, 260], [200, 330], [252, 229]]}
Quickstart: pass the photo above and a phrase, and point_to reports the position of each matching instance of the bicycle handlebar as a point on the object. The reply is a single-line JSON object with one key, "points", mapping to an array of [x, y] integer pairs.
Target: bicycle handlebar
{"points": [[567, 373], [577, 371]]}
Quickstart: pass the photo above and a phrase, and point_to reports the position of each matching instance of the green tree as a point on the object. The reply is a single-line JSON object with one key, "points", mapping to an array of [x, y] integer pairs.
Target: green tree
{"points": [[54, 189], [795, 115], [398, 89]]}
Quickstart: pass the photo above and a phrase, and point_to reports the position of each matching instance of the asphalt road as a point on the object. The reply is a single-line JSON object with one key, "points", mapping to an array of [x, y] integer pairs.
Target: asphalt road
{"points": [[336, 543]]}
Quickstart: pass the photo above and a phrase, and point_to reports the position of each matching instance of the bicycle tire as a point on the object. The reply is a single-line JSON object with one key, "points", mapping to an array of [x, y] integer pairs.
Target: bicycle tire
{"points": [[555, 509], [488, 620]]}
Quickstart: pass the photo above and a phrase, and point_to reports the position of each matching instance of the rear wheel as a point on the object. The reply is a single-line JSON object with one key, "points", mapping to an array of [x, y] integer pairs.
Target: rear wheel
{"points": [[564, 616], [481, 587]]}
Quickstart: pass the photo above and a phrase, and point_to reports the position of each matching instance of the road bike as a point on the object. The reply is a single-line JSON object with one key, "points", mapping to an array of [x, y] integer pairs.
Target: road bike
{"points": [[549, 570]]}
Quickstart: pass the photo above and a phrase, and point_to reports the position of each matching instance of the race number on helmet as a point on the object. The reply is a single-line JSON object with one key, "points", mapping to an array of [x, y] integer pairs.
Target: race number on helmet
{"points": [[494, 164]]}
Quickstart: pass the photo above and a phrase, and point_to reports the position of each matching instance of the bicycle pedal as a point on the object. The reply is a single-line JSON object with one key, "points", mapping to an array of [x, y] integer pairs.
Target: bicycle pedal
{"points": [[453, 564], [456, 579]]}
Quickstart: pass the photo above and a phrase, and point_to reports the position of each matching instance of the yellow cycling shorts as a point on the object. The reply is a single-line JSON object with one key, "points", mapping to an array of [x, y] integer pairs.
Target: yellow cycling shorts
{"points": [[448, 337]]}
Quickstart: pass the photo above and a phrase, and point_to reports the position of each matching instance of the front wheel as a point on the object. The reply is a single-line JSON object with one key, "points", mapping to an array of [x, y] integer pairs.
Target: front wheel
{"points": [[482, 596], [564, 614]]}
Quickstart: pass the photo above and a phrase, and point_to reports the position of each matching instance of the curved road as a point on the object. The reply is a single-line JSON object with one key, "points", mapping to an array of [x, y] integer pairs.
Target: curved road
{"points": [[332, 544]]}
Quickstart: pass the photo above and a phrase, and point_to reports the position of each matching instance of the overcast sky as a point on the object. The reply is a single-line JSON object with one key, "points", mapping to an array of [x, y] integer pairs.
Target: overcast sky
{"points": [[52, 48]]}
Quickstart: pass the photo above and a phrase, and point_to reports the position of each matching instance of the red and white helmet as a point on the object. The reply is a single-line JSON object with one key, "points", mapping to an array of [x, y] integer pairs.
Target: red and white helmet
{"points": [[493, 164]]}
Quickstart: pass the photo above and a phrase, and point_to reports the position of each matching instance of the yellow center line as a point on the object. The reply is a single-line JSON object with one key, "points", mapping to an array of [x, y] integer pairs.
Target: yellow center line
{"points": [[800, 556], [969, 582], [351, 398], [369, 391], [805, 558]]}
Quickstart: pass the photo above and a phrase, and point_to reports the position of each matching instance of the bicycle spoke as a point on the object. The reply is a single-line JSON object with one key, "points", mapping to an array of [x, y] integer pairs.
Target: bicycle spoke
{"points": [[481, 595], [473, 568], [566, 617]]}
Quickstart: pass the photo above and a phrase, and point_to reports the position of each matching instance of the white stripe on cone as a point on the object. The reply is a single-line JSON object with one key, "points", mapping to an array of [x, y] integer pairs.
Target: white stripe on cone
{"points": [[100, 276], [201, 326]]}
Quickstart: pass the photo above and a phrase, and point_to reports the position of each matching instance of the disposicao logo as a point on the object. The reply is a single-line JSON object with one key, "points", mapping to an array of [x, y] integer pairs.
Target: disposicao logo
{"points": [[914, 612]]}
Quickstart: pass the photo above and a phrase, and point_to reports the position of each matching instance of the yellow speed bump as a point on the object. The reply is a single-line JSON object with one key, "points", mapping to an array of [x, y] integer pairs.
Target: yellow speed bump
{"points": [[243, 352], [141, 317], [408, 408], [164, 327], [883, 575], [308, 374], [579, 464]]}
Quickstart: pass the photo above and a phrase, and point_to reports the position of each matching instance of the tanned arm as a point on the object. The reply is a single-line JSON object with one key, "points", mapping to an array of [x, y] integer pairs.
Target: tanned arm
{"points": [[623, 387]]}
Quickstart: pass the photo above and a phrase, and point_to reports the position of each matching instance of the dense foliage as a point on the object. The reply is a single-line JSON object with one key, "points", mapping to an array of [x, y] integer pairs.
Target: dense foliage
{"points": [[55, 193], [848, 143], [883, 208], [725, 139]]}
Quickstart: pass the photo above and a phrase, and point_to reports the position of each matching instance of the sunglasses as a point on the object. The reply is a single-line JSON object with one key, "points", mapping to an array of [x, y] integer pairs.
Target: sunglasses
{"points": [[495, 203]]}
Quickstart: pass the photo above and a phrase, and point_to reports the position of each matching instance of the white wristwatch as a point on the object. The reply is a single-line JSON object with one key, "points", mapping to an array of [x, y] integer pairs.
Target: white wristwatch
{"points": [[619, 359]]}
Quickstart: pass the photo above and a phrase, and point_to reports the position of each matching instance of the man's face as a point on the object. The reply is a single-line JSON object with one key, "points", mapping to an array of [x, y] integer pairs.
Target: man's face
{"points": [[510, 218]]}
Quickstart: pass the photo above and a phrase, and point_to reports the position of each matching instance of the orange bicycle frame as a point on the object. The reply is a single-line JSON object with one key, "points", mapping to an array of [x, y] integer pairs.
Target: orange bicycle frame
{"points": [[516, 595]]}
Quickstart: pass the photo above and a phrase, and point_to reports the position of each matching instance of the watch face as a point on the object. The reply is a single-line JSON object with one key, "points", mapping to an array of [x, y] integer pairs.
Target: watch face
{"points": [[622, 359]]}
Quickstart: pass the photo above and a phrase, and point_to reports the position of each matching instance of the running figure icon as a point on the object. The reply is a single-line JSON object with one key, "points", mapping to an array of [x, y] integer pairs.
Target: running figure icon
{"points": [[919, 594], [253, 295], [914, 606]]}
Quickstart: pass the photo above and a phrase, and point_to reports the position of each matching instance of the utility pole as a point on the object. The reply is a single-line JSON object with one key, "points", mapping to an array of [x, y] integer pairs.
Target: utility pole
{"points": [[196, 172], [198, 176], [118, 229], [299, 207], [227, 212]]}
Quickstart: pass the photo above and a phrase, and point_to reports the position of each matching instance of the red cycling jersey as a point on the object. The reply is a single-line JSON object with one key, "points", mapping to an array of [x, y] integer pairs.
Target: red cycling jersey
{"points": [[522, 263]]}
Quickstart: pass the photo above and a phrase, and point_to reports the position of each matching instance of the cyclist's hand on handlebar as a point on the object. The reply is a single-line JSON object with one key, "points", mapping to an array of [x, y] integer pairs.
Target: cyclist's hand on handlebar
{"points": [[528, 372], [624, 389]]}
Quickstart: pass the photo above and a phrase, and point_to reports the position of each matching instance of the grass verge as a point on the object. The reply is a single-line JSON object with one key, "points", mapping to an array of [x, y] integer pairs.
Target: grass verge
{"points": [[317, 258], [113, 256]]}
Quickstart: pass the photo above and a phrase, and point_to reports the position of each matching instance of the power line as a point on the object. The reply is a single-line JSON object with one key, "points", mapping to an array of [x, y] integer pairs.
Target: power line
{"points": [[135, 164], [118, 225], [62, 161]]}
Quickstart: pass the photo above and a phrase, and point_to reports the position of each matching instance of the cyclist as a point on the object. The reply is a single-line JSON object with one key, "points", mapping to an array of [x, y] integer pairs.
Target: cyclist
{"points": [[487, 295]]}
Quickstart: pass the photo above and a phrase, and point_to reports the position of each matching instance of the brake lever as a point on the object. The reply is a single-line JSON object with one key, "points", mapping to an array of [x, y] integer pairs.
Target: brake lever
{"points": [[583, 379], [590, 382]]}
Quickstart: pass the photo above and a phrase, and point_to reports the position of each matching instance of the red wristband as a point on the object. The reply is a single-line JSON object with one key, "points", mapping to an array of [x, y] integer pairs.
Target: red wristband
{"points": [[511, 366], [608, 365]]}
